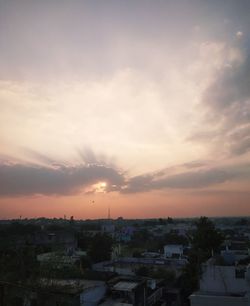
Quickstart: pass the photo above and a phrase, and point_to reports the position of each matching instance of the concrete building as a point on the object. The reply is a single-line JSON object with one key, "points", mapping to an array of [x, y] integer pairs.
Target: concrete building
{"points": [[173, 250], [223, 285], [108, 228], [133, 291], [53, 293], [57, 240], [61, 259], [129, 265]]}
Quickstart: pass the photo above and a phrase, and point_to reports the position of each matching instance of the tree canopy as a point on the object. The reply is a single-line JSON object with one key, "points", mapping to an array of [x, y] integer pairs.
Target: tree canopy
{"points": [[100, 248], [206, 237]]}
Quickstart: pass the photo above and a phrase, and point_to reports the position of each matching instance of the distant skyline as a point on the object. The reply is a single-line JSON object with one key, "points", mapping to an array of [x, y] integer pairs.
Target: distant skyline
{"points": [[141, 106]]}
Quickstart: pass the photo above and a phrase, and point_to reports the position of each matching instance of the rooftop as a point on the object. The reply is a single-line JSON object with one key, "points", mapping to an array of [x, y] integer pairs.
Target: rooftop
{"points": [[116, 302], [125, 286], [228, 294], [71, 286]]}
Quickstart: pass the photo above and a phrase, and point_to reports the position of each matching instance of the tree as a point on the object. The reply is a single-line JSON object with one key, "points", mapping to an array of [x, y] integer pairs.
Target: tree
{"points": [[242, 222], [18, 264], [140, 239], [85, 263], [169, 276], [137, 254], [100, 248], [173, 238], [83, 241], [142, 271], [206, 238], [170, 220], [189, 280]]}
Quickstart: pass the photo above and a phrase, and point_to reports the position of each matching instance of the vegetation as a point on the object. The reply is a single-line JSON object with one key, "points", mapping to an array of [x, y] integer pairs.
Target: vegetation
{"points": [[206, 240], [18, 264], [168, 276], [100, 248]]}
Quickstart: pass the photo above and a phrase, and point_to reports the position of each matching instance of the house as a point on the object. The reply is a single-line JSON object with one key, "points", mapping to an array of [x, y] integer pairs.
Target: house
{"points": [[61, 259], [129, 265], [49, 292], [223, 285], [57, 240], [125, 234], [173, 250], [133, 291], [108, 228]]}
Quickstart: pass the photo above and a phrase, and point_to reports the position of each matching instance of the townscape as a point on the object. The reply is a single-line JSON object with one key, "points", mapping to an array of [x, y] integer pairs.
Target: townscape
{"points": [[197, 262]]}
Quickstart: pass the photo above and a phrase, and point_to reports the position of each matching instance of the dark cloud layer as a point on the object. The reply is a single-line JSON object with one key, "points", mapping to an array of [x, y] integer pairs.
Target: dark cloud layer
{"points": [[20, 180], [196, 179], [187, 180], [16, 180]]}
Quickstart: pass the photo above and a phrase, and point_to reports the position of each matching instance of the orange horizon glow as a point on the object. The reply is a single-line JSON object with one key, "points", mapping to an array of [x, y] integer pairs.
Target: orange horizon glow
{"points": [[96, 206]]}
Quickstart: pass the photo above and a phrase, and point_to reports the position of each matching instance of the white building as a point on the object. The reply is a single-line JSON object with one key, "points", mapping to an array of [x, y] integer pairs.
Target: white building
{"points": [[223, 285], [173, 250]]}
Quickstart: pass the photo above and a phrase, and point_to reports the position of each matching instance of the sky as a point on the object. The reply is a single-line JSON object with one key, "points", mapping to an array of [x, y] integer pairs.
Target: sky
{"points": [[139, 106]]}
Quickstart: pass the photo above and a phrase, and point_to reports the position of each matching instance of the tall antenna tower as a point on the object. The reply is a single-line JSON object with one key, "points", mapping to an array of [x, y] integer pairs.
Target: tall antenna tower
{"points": [[109, 213]]}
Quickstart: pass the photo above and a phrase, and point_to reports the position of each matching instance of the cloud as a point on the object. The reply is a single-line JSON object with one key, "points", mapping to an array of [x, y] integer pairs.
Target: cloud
{"points": [[225, 100], [239, 140], [196, 179], [19, 180], [196, 164], [89, 157], [26, 180], [239, 34], [230, 89], [228, 97], [38, 157]]}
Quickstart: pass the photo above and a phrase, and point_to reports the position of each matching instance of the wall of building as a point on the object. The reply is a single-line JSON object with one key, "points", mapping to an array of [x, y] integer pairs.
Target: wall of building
{"points": [[92, 296], [222, 279], [12, 295], [170, 250]]}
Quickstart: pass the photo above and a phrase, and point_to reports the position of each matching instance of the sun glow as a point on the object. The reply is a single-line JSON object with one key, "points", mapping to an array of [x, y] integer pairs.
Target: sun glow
{"points": [[102, 184], [100, 187]]}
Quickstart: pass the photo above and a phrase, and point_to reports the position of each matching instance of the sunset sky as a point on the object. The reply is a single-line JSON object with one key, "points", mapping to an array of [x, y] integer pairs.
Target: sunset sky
{"points": [[142, 106]]}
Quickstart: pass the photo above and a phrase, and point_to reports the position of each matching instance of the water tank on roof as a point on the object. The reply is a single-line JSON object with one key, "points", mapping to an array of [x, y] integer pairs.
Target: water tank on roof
{"points": [[151, 283]]}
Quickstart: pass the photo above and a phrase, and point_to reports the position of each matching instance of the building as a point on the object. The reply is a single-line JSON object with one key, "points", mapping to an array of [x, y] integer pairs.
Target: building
{"points": [[57, 240], [133, 291], [173, 250], [61, 259], [129, 265], [53, 293], [220, 285]]}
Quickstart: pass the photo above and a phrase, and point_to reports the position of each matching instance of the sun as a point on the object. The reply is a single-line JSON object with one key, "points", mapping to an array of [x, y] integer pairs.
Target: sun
{"points": [[100, 187], [102, 184]]}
